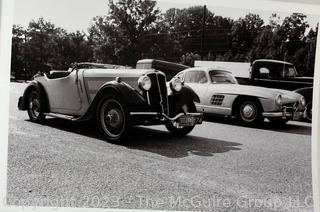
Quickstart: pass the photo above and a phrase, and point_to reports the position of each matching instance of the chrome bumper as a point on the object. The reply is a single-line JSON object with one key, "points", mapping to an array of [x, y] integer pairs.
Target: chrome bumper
{"points": [[296, 115], [198, 116]]}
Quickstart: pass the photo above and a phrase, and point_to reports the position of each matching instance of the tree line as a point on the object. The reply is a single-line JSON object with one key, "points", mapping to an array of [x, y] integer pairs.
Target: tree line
{"points": [[137, 29]]}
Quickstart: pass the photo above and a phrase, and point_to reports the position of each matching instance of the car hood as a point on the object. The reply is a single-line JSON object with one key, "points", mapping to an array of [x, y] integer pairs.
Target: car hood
{"points": [[98, 77], [116, 72], [261, 92]]}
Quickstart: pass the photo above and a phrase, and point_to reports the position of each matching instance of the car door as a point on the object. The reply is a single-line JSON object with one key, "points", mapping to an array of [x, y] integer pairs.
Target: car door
{"points": [[63, 94]]}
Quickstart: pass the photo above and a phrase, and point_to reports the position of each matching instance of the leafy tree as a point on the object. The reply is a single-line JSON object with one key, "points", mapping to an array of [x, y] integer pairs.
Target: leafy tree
{"points": [[267, 45], [103, 36], [294, 27], [133, 19], [133, 30], [274, 21], [309, 60], [185, 28], [43, 46], [245, 30], [17, 54], [74, 47]]}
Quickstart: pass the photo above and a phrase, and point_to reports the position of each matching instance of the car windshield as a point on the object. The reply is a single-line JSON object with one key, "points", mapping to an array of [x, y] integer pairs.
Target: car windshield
{"points": [[287, 71], [221, 77]]}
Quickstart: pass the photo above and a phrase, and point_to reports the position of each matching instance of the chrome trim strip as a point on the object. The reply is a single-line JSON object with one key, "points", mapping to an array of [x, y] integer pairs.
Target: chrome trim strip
{"points": [[280, 114], [61, 116], [159, 89], [213, 106], [144, 113], [148, 98]]}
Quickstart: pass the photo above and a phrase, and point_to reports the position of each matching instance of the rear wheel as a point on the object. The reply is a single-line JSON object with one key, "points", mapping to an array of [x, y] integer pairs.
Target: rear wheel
{"points": [[112, 118], [250, 112], [35, 111], [174, 126]]}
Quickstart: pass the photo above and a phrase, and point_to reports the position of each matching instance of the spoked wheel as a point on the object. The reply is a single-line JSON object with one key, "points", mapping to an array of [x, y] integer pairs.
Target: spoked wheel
{"points": [[175, 128], [112, 118], [309, 111], [250, 112], [35, 108]]}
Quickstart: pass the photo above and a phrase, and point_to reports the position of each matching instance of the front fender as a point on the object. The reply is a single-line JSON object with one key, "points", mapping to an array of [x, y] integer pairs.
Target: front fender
{"points": [[178, 99], [187, 95], [306, 92]]}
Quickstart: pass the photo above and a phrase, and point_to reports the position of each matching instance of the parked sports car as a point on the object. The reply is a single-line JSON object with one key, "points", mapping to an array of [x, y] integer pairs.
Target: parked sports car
{"points": [[116, 97], [220, 94]]}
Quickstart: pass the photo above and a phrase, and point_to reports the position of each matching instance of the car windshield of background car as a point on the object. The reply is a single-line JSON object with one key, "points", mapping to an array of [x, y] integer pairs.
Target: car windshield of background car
{"points": [[288, 71], [219, 78]]}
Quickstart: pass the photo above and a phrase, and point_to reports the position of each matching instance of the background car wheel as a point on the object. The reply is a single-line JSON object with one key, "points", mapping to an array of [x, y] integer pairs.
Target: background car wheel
{"points": [[174, 127], [309, 111], [112, 118], [250, 112], [278, 121], [35, 108]]}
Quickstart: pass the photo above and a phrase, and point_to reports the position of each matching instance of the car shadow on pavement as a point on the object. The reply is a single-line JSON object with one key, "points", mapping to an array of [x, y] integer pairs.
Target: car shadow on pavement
{"points": [[301, 129], [166, 144], [151, 140]]}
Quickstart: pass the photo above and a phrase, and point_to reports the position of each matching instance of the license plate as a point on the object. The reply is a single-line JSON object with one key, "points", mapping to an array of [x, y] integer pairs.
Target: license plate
{"points": [[187, 121]]}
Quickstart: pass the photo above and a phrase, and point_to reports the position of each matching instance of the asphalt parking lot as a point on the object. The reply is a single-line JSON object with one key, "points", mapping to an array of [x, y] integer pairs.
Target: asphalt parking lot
{"points": [[220, 166]]}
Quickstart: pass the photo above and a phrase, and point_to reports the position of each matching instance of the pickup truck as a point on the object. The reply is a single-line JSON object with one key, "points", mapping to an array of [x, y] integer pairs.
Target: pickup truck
{"points": [[270, 74]]}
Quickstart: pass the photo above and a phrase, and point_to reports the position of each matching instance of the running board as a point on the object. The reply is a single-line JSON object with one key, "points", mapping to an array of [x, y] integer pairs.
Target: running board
{"points": [[61, 116]]}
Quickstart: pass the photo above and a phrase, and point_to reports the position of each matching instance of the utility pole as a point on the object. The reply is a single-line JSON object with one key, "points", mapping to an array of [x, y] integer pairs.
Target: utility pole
{"points": [[203, 29]]}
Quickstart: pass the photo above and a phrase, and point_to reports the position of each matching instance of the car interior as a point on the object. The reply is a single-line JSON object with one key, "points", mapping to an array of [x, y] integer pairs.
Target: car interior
{"points": [[54, 74]]}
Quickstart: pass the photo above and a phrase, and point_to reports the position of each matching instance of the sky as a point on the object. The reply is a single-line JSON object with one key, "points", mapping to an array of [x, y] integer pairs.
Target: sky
{"points": [[74, 15]]}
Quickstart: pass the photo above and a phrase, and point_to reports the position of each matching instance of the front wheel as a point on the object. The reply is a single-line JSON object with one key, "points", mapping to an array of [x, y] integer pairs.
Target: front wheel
{"points": [[175, 128], [35, 108], [250, 112], [112, 118]]}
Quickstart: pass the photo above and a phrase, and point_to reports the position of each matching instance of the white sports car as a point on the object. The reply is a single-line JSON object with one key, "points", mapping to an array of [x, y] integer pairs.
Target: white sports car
{"points": [[220, 94]]}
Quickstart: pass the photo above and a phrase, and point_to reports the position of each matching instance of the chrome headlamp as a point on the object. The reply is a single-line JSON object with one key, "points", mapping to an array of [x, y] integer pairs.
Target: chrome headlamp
{"points": [[176, 84], [279, 100], [303, 101], [144, 83]]}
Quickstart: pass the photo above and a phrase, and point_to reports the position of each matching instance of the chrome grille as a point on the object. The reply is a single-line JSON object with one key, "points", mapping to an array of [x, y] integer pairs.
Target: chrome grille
{"points": [[157, 95], [217, 99]]}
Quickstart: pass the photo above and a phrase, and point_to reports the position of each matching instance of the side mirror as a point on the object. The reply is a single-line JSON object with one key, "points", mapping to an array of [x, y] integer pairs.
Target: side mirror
{"points": [[264, 73]]}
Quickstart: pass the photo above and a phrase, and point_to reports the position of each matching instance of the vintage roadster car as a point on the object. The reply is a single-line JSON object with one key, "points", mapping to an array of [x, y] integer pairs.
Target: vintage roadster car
{"points": [[220, 94], [116, 97]]}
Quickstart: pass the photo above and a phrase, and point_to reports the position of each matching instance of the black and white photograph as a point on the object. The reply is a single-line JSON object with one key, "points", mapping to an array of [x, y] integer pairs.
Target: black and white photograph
{"points": [[161, 105]]}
